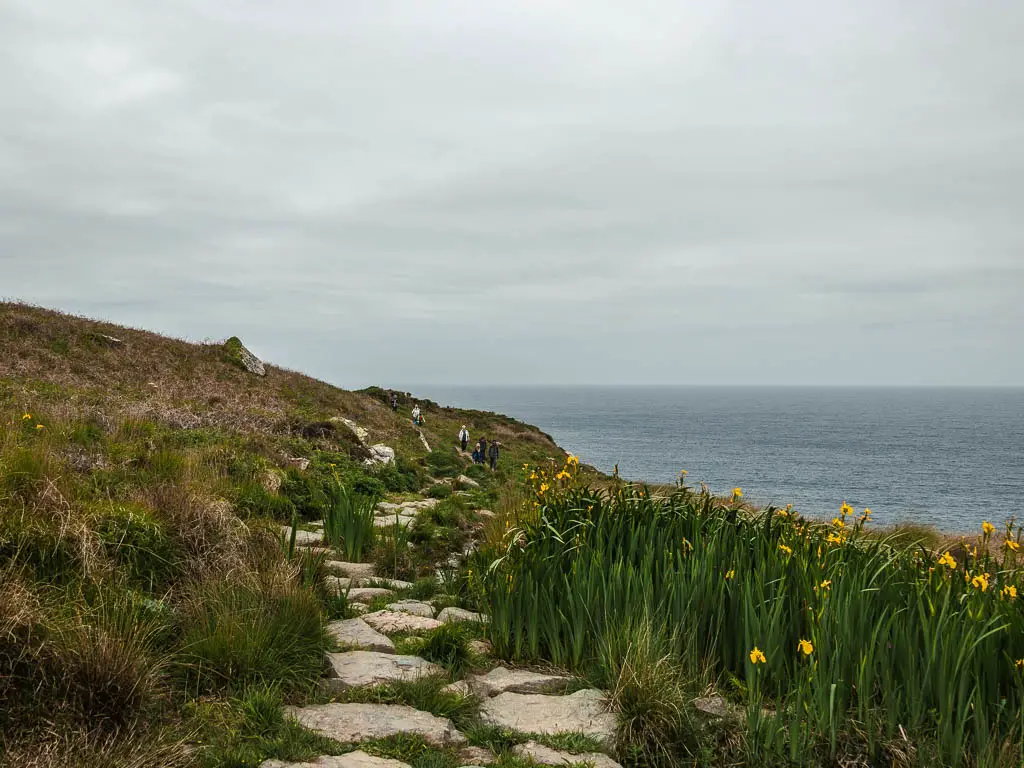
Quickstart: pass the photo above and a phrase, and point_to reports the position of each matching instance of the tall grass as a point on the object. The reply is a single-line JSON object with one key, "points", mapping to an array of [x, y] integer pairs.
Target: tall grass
{"points": [[902, 645], [348, 522]]}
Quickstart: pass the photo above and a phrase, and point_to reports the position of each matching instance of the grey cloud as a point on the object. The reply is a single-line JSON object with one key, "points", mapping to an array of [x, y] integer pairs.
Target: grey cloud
{"points": [[543, 192]]}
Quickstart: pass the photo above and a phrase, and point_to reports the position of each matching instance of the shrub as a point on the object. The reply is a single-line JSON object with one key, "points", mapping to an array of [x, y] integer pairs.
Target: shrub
{"points": [[391, 552], [306, 493], [439, 491], [448, 645], [349, 522], [265, 629], [401, 476], [444, 463], [139, 546], [477, 472], [253, 500]]}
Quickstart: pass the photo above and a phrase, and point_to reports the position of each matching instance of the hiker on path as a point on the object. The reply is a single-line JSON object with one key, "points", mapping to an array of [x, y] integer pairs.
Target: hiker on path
{"points": [[464, 437], [416, 416], [394, 402], [483, 450], [492, 454], [476, 454]]}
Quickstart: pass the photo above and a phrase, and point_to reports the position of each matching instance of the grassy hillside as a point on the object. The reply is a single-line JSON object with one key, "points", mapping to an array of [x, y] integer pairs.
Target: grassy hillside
{"points": [[145, 590]]}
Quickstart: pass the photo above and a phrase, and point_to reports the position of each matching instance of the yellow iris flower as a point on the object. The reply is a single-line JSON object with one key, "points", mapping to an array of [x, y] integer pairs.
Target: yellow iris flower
{"points": [[756, 657], [805, 647]]}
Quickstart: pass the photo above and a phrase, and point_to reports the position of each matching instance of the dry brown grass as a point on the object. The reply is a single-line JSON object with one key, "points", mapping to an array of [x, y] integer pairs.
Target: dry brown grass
{"points": [[130, 748]]}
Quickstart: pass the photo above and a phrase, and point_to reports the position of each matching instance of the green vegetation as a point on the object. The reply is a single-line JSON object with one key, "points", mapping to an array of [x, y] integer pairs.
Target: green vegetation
{"points": [[853, 644], [348, 522]]}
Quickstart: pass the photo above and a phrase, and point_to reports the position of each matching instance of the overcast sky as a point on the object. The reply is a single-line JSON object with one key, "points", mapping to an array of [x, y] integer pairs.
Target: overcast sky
{"points": [[796, 191]]}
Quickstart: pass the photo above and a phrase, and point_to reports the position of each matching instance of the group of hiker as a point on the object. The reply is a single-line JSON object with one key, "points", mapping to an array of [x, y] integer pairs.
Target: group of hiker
{"points": [[484, 452]]}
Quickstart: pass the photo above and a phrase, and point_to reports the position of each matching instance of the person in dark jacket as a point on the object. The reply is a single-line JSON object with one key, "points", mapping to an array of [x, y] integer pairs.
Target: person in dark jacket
{"points": [[476, 453], [394, 402], [492, 454], [483, 450]]}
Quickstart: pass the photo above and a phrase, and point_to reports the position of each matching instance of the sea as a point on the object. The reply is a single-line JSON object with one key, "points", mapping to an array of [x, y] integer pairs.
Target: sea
{"points": [[949, 458]]}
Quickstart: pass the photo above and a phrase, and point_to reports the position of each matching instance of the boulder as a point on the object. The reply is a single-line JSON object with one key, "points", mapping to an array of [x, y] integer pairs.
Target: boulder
{"points": [[467, 481], [541, 755], [362, 435], [239, 355], [453, 615], [502, 680], [583, 712], [338, 584], [366, 594], [353, 723], [713, 706], [392, 621], [414, 607], [391, 583], [380, 454], [358, 669], [356, 571], [357, 759], [384, 522], [481, 647], [299, 463], [356, 633]]}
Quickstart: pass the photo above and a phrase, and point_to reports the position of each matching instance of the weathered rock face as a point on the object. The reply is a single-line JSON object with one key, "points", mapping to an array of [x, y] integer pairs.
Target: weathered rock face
{"points": [[414, 607], [357, 669], [241, 356], [380, 454], [352, 723], [501, 680], [583, 712], [391, 621], [357, 634], [362, 435], [475, 756], [713, 706], [357, 759], [542, 755], [453, 615]]}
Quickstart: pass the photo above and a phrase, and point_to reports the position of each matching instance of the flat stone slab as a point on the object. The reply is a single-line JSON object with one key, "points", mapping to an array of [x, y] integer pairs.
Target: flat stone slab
{"points": [[384, 522], [353, 723], [338, 584], [392, 583], [476, 756], [414, 607], [355, 571], [502, 680], [452, 615], [366, 594], [583, 712], [358, 669], [357, 759], [303, 538], [542, 755], [392, 621], [356, 633]]}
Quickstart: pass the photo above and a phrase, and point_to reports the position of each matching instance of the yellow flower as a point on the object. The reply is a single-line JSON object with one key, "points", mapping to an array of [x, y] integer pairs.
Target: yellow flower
{"points": [[1009, 592], [845, 510], [26, 417], [731, 574], [784, 549], [805, 647], [756, 657], [987, 527], [40, 426], [826, 584], [783, 513], [948, 561], [1011, 544], [573, 461], [1020, 663], [563, 475], [835, 538], [686, 545], [737, 493], [544, 487], [980, 582], [838, 522]]}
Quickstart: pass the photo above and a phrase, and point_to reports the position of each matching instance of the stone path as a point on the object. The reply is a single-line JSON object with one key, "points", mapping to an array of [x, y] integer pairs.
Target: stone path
{"points": [[516, 700]]}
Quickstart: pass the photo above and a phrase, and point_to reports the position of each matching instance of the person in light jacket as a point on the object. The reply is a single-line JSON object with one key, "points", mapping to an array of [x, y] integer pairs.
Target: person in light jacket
{"points": [[416, 417], [464, 437]]}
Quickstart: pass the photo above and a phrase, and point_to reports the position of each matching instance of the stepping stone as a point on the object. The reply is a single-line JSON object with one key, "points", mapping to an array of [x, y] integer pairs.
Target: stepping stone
{"points": [[358, 669], [584, 712], [421, 504], [303, 538], [366, 594], [384, 522], [392, 621], [542, 755], [476, 756], [354, 571], [357, 759], [501, 680], [452, 615], [319, 524], [353, 723], [387, 508], [414, 607], [392, 583], [338, 584], [356, 633]]}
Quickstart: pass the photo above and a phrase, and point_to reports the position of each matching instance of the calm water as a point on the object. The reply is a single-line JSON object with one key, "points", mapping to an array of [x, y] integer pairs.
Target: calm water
{"points": [[947, 457]]}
